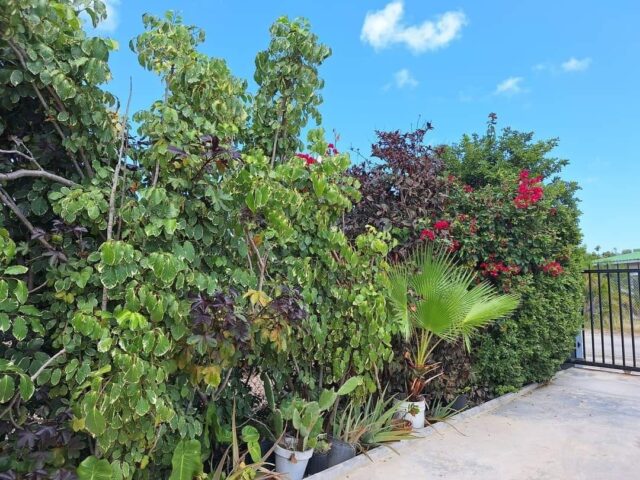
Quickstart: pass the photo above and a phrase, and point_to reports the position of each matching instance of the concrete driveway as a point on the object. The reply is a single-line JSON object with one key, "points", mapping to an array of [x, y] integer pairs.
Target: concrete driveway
{"points": [[614, 355], [584, 425]]}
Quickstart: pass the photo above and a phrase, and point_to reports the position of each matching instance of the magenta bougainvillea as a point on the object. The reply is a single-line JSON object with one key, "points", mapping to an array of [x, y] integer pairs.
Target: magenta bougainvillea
{"points": [[426, 233], [530, 190], [441, 225], [553, 268], [309, 160]]}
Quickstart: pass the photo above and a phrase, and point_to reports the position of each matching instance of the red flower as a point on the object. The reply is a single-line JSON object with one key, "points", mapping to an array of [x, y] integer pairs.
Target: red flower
{"points": [[552, 268], [332, 150], [427, 234], [309, 160], [454, 247], [530, 190], [468, 188], [441, 225]]}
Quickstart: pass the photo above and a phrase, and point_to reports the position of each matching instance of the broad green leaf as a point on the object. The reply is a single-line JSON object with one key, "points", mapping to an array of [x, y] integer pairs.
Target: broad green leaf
{"points": [[7, 388], [93, 469], [250, 434], [4, 290], [26, 387], [20, 329], [350, 385], [16, 77], [186, 462], [95, 421], [162, 346], [327, 399], [142, 407], [21, 292], [16, 270]]}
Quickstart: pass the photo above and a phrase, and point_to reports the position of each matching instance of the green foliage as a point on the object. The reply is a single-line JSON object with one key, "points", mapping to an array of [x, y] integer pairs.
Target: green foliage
{"points": [[435, 299], [186, 460], [288, 85], [162, 277], [146, 281], [511, 246]]}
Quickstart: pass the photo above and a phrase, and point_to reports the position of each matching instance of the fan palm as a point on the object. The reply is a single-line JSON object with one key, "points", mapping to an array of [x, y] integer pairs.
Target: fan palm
{"points": [[435, 300]]}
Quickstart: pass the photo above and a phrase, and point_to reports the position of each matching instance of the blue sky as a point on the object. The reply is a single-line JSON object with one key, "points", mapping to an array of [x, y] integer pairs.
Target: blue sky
{"points": [[567, 69]]}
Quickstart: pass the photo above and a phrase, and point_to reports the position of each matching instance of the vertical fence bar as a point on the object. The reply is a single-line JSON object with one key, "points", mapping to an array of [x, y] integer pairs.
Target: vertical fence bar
{"points": [[593, 335], [633, 338], [624, 360], [613, 350], [600, 314]]}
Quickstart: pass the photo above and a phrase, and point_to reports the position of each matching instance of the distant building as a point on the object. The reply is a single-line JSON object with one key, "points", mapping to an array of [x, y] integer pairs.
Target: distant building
{"points": [[625, 260]]}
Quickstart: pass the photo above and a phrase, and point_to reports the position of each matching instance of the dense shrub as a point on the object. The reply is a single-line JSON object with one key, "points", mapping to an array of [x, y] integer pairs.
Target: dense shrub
{"points": [[149, 279], [517, 223], [505, 213]]}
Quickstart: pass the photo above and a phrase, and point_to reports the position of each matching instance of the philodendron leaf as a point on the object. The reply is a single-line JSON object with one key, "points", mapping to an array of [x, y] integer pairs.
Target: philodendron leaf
{"points": [[93, 469], [350, 385], [327, 399], [186, 462]]}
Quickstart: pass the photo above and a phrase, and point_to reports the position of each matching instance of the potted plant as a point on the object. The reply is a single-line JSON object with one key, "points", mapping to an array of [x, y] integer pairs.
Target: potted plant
{"points": [[364, 425], [433, 300], [320, 459], [296, 445]]}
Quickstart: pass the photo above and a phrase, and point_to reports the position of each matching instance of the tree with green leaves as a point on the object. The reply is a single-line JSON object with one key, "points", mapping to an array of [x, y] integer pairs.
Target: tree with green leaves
{"points": [[146, 278]]}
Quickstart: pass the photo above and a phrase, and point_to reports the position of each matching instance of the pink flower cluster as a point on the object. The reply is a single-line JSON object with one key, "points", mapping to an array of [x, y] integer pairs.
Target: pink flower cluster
{"points": [[309, 160], [332, 150], [529, 190], [426, 233], [552, 268], [493, 269], [441, 229]]}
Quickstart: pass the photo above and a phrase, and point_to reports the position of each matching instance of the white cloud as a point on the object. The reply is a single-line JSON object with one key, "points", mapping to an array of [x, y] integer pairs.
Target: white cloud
{"points": [[510, 86], [113, 17], [384, 28], [576, 65], [403, 78]]}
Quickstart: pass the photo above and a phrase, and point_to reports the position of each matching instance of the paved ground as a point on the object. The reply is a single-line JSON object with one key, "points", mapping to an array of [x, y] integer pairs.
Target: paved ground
{"points": [[631, 344], [585, 425]]}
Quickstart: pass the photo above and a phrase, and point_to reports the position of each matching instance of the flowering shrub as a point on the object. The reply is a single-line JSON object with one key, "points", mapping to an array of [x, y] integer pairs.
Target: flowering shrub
{"points": [[523, 245], [427, 234], [485, 205]]}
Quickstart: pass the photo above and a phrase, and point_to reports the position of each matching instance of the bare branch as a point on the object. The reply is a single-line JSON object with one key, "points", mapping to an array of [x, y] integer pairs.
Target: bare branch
{"points": [[17, 152], [6, 199], [46, 364], [37, 173], [114, 183]]}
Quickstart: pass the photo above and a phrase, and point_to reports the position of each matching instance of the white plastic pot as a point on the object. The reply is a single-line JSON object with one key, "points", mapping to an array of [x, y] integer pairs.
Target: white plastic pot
{"points": [[292, 463], [417, 420]]}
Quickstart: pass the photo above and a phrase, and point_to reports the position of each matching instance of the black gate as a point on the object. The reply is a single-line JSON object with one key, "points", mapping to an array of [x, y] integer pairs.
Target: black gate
{"points": [[611, 310]]}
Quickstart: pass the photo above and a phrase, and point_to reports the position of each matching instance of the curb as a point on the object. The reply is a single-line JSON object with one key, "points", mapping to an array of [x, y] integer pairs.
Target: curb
{"points": [[391, 450]]}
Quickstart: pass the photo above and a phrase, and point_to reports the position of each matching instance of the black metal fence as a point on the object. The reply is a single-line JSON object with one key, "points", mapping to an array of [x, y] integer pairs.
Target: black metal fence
{"points": [[611, 314]]}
